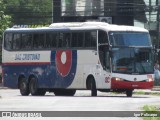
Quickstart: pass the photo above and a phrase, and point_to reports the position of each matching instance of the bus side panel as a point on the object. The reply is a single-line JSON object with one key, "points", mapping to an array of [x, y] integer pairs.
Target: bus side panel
{"points": [[9, 78], [53, 69], [88, 64], [65, 65], [25, 63]]}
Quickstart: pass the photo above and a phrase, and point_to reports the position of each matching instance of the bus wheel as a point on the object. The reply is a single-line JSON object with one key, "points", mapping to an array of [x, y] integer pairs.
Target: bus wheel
{"points": [[64, 92], [129, 93], [41, 92], [70, 92], [92, 86], [33, 87], [24, 88]]}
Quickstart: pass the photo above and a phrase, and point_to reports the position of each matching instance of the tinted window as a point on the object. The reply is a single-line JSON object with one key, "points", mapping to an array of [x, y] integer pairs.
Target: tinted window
{"points": [[129, 39], [41, 41], [16, 41], [66, 39], [102, 38], [38, 41], [90, 38], [60, 39], [26, 41], [77, 39], [8, 41], [51, 40]]}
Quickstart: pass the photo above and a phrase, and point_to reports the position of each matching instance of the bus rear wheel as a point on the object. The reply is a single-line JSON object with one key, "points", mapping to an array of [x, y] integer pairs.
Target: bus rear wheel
{"points": [[24, 88], [33, 88]]}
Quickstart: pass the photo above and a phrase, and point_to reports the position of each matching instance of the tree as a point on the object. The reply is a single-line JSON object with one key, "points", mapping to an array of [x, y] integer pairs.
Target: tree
{"points": [[4, 23], [4, 19], [30, 12]]}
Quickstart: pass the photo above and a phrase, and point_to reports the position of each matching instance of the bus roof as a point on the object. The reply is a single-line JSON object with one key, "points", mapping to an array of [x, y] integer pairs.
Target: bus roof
{"points": [[82, 26]]}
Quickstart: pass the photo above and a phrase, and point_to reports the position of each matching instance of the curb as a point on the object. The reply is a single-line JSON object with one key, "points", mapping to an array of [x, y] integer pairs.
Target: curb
{"points": [[156, 88]]}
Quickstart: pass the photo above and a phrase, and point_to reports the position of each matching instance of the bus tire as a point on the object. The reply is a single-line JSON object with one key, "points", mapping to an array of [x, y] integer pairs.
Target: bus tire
{"points": [[91, 85], [41, 92], [93, 88], [129, 93], [23, 87], [65, 92], [33, 87]]}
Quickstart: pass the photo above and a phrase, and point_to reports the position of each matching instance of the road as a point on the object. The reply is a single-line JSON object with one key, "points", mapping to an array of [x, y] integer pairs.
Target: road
{"points": [[11, 100]]}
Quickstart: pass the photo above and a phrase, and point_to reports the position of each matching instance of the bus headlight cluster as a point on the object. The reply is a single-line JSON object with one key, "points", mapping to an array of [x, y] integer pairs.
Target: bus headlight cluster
{"points": [[117, 79], [150, 79]]}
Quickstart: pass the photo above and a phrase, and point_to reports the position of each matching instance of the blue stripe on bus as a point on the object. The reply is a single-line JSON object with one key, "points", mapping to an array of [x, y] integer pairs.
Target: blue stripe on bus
{"points": [[47, 74]]}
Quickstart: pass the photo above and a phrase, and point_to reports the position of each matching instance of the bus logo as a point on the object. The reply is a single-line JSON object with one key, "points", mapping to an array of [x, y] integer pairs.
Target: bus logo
{"points": [[63, 62]]}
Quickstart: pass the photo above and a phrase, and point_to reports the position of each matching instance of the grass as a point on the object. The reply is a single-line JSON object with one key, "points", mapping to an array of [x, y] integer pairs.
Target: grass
{"points": [[147, 93], [151, 110], [139, 93]]}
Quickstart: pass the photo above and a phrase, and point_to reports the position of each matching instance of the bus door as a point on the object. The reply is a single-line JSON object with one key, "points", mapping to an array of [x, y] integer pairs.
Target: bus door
{"points": [[104, 58]]}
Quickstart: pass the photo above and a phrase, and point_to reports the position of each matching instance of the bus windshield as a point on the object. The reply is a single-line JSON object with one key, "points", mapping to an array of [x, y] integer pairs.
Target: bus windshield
{"points": [[132, 60], [129, 39]]}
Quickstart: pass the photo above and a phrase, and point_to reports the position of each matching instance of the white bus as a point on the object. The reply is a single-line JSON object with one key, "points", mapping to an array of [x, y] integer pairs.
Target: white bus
{"points": [[66, 57]]}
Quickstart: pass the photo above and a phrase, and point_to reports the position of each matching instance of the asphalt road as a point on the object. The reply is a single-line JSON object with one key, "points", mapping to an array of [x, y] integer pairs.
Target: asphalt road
{"points": [[11, 100]]}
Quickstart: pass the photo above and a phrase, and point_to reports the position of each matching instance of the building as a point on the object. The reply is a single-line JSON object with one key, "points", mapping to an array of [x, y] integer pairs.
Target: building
{"points": [[143, 13]]}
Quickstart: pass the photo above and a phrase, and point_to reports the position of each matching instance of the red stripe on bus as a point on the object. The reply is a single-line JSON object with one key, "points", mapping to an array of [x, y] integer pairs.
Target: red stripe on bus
{"points": [[27, 63], [131, 85]]}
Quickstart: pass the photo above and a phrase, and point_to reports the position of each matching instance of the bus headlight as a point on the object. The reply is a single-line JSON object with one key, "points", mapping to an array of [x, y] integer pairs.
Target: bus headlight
{"points": [[117, 79], [150, 78]]}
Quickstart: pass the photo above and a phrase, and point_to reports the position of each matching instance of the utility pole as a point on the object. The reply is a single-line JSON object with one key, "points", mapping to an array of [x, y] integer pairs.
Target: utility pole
{"points": [[158, 12]]}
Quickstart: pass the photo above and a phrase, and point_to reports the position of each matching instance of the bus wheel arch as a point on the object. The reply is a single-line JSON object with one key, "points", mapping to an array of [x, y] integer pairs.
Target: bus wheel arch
{"points": [[23, 85], [91, 85]]}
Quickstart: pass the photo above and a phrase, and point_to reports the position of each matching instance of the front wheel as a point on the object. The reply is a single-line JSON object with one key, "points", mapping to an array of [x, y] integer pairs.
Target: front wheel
{"points": [[92, 86], [23, 87], [129, 93]]}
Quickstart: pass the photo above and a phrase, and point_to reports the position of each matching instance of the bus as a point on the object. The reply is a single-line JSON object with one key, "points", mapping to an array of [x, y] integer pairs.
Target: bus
{"points": [[66, 57]]}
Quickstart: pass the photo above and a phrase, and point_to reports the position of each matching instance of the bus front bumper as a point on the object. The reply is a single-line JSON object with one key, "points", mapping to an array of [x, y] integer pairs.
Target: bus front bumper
{"points": [[131, 85]]}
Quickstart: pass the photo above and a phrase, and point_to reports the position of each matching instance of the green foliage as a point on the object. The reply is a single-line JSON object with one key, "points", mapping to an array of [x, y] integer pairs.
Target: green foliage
{"points": [[153, 109], [30, 11], [4, 19], [149, 108]]}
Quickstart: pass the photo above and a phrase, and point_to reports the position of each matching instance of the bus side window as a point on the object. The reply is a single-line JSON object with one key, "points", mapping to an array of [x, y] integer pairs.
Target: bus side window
{"points": [[90, 38], [51, 40], [16, 41], [80, 39], [87, 39], [41, 41], [54, 40], [26, 41], [77, 39], [60, 39], [35, 41], [8, 41], [66, 39], [93, 38], [74, 42]]}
